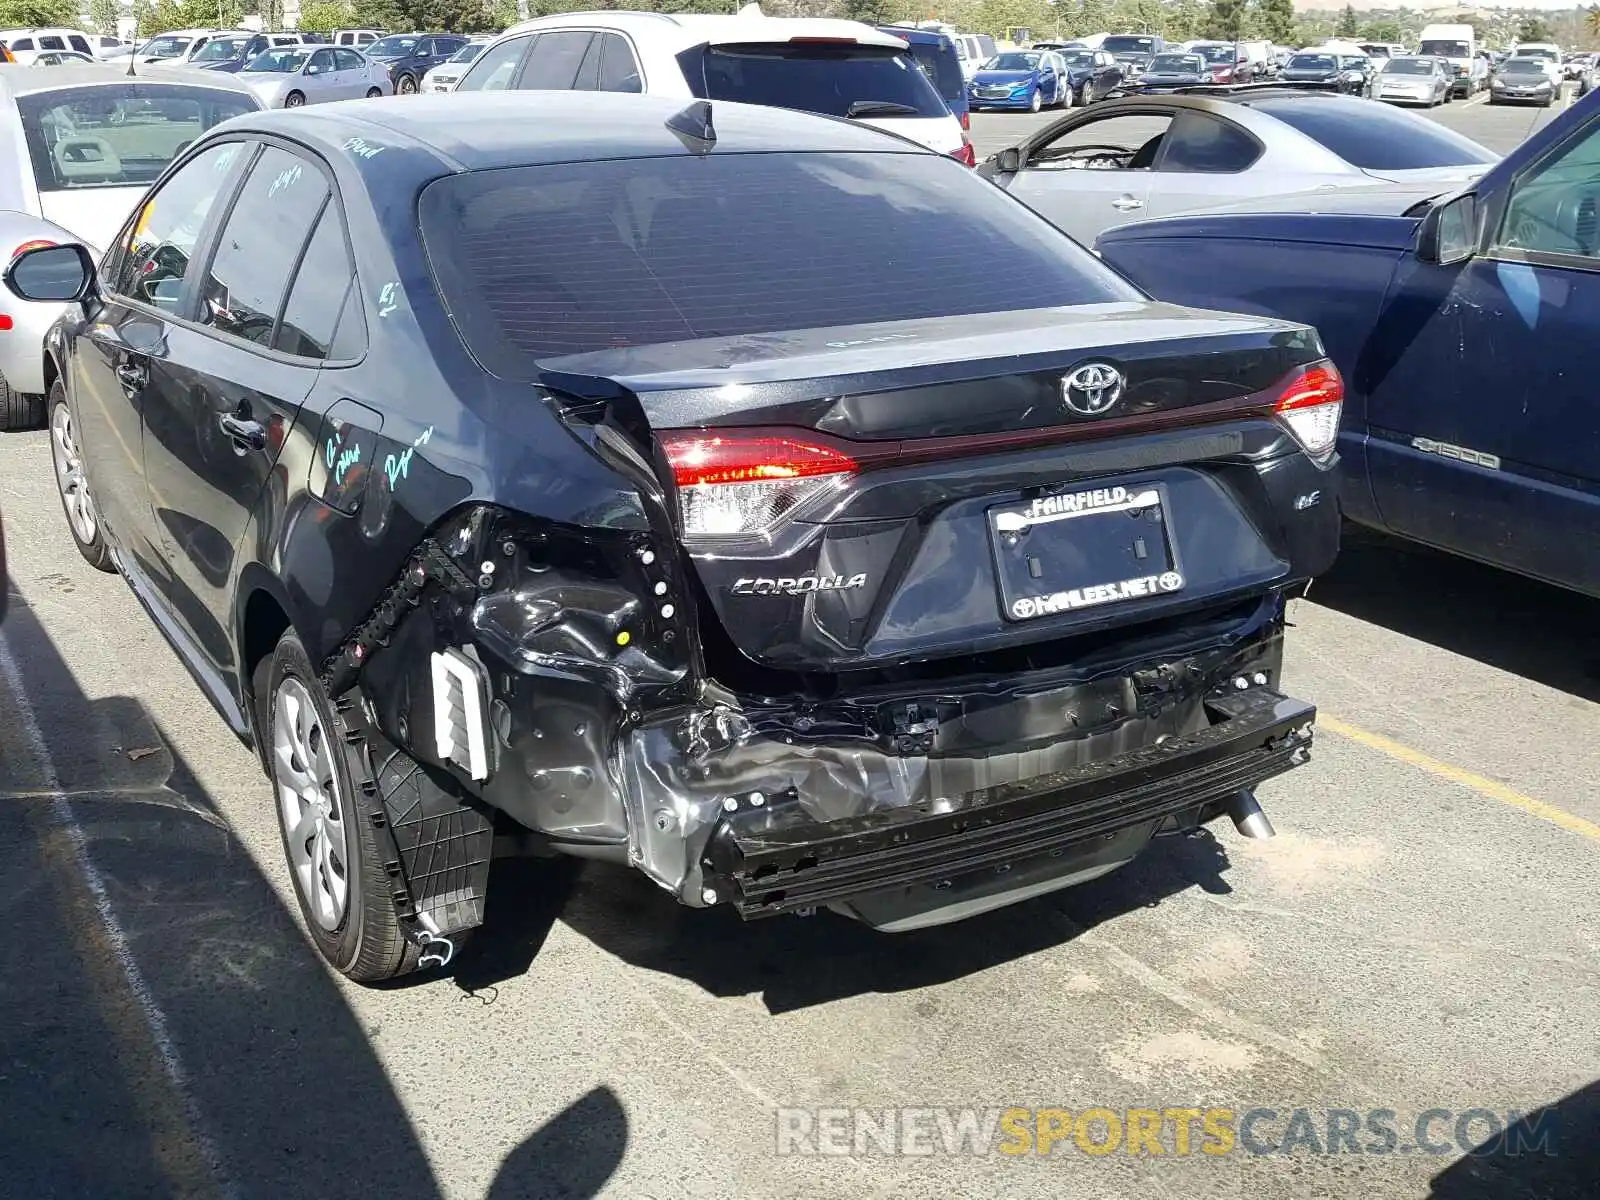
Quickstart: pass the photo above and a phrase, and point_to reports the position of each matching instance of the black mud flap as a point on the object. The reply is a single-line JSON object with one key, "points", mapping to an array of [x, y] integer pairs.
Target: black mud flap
{"points": [[436, 845]]}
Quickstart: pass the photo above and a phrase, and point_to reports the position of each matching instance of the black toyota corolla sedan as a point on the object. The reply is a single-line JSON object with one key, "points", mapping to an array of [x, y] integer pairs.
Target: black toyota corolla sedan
{"points": [[594, 475]]}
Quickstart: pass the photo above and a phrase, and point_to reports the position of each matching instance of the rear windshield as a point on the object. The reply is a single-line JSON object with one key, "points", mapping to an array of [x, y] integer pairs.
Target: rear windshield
{"points": [[1410, 66], [1543, 55], [1129, 45], [943, 67], [539, 262], [1523, 66], [1177, 63], [121, 135], [1445, 49], [392, 47], [221, 49], [1374, 137], [835, 80], [1313, 62], [165, 47]]}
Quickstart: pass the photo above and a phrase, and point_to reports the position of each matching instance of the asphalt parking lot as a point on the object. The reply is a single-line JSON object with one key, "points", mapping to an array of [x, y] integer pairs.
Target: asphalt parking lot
{"points": [[1422, 937]]}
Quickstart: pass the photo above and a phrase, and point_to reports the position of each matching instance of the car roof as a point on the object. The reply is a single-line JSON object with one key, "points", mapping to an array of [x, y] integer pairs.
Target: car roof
{"points": [[689, 29], [16, 80], [479, 131]]}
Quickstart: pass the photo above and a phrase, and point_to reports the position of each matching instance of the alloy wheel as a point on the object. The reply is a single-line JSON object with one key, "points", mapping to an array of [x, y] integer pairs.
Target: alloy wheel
{"points": [[294, 100], [70, 478], [309, 804], [407, 86]]}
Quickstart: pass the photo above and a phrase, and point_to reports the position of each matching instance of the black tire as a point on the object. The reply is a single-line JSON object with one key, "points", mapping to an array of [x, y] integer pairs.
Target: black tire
{"points": [[374, 93], [1088, 93], [367, 944], [20, 410], [294, 100], [405, 86], [94, 550]]}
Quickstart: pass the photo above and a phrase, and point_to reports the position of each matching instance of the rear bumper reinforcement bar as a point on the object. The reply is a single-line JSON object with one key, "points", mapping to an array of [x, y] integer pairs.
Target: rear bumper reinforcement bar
{"points": [[771, 861]]}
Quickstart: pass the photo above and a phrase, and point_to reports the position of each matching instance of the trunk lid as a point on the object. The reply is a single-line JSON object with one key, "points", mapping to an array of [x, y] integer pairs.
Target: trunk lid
{"points": [[917, 490]]}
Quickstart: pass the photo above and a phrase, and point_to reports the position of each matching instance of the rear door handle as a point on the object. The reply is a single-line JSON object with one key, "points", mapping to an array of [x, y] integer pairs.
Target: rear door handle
{"points": [[1126, 203], [245, 434]]}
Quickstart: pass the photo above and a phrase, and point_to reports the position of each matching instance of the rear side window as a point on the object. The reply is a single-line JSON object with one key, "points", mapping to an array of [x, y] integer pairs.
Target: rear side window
{"points": [[1375, 137], [1203, 144], [320, 291], [122, 135], [539, 262], [619, 71], [834, 80], [943, 67], [80, 44], [553, 64], [51, 42], [277, 206]]}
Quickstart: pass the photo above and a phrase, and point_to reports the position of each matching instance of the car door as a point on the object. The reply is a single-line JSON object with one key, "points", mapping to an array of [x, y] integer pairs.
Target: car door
{"points": [[1485, 433], [142, 281], [1205, 160], [353, 71], [221, 401], [1083, 200], [319, 78], [1108, 72]]}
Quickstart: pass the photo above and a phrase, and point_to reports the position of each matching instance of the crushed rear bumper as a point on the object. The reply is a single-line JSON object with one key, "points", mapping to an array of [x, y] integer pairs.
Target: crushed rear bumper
{"points": [[775, 859]]}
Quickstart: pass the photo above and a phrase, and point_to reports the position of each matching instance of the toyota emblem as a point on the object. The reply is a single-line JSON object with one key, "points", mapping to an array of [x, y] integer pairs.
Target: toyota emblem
{"points": [[1092, 389]]}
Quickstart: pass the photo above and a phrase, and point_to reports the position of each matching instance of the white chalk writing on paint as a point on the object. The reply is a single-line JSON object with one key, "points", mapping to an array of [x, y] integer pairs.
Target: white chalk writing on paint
{"points": [[388, 299], [398, 467]]}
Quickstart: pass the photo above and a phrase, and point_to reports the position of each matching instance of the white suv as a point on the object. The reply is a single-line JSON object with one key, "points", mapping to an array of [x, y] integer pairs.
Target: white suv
{"points": [[836, 68], [27, 44]]}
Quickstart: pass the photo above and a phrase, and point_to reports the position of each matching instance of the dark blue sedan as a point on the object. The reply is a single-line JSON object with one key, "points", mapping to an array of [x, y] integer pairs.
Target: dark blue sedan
{"points": [[1020, 79], [1464, 325], [1176, 70]]}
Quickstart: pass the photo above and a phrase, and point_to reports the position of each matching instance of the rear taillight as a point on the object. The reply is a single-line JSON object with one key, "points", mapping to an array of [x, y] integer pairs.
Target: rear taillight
{"points": [[736, 485], [1221, 75], [966, 121], [966, 154], [1309, 402], [33, 244]]}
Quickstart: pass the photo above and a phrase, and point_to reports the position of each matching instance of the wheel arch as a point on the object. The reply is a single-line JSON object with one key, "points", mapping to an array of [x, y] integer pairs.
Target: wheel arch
{"points": [[264, 613]]}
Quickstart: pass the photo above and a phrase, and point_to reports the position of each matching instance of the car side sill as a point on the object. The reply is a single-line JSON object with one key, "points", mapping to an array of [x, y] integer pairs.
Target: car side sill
{"points": [[211, 683]]}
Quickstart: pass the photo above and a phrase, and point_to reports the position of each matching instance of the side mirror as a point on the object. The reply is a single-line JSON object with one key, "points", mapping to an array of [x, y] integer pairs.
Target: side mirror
{"points": [[48, 274], [1009, 161], [1449, 232]]}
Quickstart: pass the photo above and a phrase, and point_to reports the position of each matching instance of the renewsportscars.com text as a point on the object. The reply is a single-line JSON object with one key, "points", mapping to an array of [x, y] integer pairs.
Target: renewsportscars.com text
{"points": [[1175, 1131]]}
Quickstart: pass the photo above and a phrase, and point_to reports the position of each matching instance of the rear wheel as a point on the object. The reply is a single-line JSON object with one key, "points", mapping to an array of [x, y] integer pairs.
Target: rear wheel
{"points": [[374, 93], [1037, 101], [73, 485], [405, 85], [1088, 93], [294, 100], [317, 777], [20, 410]]}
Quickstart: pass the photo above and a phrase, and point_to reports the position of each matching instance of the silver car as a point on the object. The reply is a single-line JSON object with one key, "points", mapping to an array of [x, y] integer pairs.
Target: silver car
{"points": [[82, 144], [447, 74], [1153, 156], [1411, 79], [290, 76]]}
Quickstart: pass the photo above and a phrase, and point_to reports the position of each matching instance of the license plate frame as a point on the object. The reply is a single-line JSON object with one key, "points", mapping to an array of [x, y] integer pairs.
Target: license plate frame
{"points": [[1093, 582]]}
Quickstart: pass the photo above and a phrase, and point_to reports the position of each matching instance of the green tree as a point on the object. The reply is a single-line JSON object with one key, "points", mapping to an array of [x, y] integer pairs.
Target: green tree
{"points": [[103, 16], [29, 14], [1225, 19], [1349, 23], [1534, 29], [1277, 21], [1593, 19], [1382, 31], [323, 16]]}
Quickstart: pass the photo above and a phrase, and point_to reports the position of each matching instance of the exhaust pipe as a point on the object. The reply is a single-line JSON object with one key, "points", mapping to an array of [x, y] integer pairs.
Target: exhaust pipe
{"points": [[1247, 816]]}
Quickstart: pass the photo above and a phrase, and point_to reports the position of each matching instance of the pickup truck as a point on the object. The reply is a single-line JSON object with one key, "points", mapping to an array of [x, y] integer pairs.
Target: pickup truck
{"points": [[1464, 325]]}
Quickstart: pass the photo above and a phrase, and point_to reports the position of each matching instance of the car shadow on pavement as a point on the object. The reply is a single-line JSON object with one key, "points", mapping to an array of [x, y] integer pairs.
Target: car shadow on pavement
{"points": [[1553, 1153], [794, 962], [226, 1061], [1542, 633]]}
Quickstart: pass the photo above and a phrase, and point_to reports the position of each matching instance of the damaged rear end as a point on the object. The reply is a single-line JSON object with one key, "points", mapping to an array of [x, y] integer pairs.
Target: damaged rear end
{"points": [[909, 618]]}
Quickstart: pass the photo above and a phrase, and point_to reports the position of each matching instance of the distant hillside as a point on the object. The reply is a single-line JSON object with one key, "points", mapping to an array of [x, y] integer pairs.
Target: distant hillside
{"points": [[1440, 13]]}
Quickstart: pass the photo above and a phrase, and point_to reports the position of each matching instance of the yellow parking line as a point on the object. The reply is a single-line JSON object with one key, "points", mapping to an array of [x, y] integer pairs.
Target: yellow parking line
{"points": [[1489, 788]]}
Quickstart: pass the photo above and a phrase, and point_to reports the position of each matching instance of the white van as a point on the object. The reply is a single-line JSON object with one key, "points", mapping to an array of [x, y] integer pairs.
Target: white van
{"points": [[355, 37], [973, 49], [1547, 53], [1458, 44]]}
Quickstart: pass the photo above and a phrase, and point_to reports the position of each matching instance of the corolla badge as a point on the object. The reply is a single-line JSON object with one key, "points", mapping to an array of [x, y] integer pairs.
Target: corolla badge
{"points": [[1092, 389]]}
